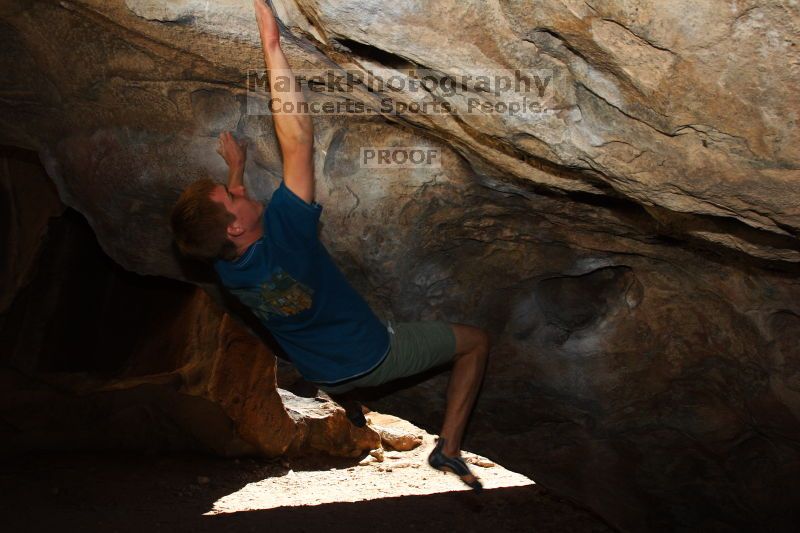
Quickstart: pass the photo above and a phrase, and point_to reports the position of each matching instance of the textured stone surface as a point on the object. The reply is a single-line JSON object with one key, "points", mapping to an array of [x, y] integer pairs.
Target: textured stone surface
{"points": [[694, 116], [633, 252], [323, 426], [396, 433]]}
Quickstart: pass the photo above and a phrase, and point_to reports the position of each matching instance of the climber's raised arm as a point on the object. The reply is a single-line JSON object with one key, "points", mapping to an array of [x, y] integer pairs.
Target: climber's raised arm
{"points": [[294, 130]]}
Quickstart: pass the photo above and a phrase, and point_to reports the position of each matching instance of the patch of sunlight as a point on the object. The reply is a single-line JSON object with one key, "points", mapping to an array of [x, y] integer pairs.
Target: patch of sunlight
{"points": [[399, 474]]}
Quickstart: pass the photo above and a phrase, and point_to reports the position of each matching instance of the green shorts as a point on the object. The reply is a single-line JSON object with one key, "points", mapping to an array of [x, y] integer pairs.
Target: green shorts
{"points": [[414, 348]]}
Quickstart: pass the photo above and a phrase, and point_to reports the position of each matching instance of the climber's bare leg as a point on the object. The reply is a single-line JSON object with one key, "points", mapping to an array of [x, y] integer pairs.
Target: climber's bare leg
{"points": [[472, 353]]}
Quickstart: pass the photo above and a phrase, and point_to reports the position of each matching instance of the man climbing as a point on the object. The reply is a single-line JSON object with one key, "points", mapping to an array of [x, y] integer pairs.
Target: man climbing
{"points": [[273, 261]]}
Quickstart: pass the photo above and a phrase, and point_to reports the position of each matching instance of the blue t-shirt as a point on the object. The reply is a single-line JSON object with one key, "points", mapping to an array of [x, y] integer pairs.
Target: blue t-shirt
{"points": [[288, 279]]}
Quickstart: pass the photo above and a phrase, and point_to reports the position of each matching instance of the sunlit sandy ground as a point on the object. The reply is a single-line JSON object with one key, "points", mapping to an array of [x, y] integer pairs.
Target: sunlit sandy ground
{"points": [[399, 474]]}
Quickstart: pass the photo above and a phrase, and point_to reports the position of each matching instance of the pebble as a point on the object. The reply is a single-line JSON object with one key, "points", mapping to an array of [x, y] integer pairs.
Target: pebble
{"points": [[377, 453], [479, 461]]}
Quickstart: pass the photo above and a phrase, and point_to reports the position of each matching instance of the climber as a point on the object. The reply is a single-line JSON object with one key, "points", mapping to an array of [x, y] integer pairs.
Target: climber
{"points": [[272, 260]]}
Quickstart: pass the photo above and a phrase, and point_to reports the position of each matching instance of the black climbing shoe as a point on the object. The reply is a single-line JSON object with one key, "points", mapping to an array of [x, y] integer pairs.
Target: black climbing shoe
{"points": [[438, 460], [354, 413]]}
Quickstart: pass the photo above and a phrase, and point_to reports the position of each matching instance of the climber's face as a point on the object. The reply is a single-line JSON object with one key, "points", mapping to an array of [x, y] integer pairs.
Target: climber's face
{"points": [[247, 212]]}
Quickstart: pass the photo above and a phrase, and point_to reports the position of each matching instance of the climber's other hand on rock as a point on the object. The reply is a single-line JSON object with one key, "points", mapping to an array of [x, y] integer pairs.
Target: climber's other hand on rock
{"points": [[232, 151]]}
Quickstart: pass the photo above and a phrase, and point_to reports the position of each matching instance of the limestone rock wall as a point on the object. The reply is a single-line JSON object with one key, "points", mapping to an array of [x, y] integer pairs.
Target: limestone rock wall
{"points": [[633, 251]]}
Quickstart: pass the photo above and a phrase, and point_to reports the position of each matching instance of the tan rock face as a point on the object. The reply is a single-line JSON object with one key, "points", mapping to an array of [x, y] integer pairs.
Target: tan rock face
{"points": [[632, 248], [396, 433]]}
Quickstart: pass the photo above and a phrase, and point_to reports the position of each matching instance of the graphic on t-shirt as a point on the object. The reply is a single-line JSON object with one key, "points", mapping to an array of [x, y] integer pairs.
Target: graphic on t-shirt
{"points": [[281, 295]]}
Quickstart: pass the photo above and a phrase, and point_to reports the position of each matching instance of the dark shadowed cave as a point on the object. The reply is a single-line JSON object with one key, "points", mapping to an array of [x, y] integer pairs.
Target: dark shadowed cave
{"points": [[81, 312], [633, 254]]}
